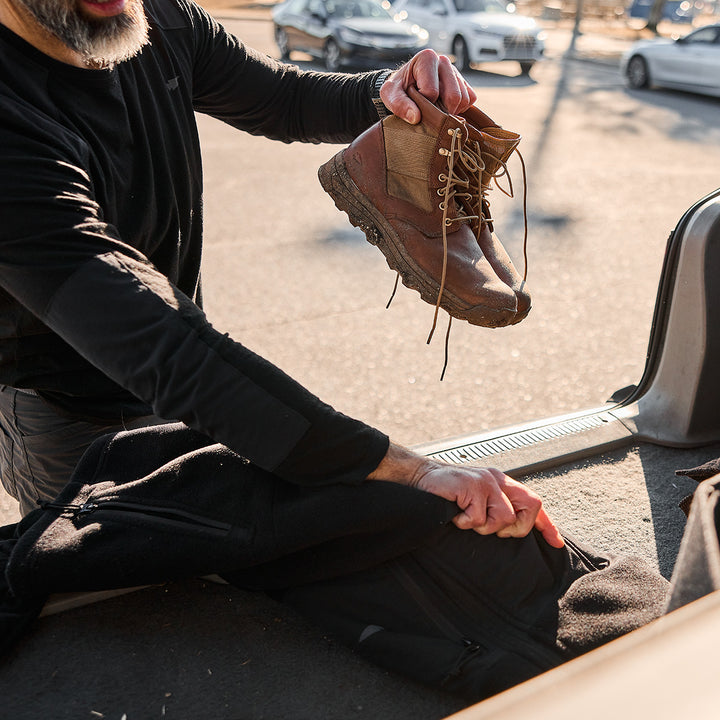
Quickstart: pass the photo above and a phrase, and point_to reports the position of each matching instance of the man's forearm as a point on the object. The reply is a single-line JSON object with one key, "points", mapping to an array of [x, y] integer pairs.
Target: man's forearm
{"points": [[399, 465]]}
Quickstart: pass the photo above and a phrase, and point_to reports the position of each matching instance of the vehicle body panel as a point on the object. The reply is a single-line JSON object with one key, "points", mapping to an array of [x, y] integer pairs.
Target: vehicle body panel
{"points": [[362, 31], [690, 63], [489, 31]]}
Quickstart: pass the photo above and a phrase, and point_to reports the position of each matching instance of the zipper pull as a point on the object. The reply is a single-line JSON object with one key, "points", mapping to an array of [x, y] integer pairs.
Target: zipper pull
{"points": [[49, 505], [77, 510]]}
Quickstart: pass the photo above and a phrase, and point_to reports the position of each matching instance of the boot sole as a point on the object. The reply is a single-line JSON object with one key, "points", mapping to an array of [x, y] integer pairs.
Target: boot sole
{"points": [[346, 195]]}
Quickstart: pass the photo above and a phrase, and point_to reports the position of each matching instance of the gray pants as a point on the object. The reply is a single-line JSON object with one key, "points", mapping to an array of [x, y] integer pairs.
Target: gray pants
{"points": [[39, 448]]}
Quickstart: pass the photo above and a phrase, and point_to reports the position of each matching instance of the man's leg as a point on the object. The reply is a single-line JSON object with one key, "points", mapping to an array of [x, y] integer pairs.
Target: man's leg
{"points": [[39, 448]]}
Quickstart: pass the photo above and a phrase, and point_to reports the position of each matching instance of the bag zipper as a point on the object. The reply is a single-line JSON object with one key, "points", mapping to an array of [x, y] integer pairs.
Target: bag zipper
{"points": [[509, 638], [89, 507]]}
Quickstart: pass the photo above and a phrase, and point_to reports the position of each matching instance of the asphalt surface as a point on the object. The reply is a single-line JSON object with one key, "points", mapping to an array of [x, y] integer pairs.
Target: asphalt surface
{"points": [[610, 173]]}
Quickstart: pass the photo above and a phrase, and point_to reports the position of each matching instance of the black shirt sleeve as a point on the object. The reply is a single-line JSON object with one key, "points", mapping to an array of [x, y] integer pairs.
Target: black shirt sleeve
{"points": [[126, 318], [260, 95], [63, 259]]}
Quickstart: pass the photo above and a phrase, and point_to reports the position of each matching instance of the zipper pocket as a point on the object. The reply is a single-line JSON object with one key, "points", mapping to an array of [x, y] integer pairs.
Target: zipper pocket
{"points": [[506, 636], [162, 515]]}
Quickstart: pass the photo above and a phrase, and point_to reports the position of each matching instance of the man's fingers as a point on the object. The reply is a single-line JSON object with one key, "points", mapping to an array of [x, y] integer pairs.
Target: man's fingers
{"points": [[436, 78], [455, 93], [487, 514], [424, 74], [548, 530]]}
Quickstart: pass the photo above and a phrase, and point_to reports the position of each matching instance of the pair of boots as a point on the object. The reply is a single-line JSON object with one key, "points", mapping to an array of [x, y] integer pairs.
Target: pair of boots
{"points": [[419, 194]]}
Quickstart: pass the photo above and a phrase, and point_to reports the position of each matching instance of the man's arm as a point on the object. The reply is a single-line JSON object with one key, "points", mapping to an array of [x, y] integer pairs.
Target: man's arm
{"points": [[261, 95], [490, 502]]}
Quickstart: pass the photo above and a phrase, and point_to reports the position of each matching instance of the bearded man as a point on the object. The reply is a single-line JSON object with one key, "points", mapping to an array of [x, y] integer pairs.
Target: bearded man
{"points": [[100, 244]]}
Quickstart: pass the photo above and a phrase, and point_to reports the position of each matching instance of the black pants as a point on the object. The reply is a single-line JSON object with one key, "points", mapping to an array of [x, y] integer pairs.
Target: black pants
{"points": [[39, 448]]}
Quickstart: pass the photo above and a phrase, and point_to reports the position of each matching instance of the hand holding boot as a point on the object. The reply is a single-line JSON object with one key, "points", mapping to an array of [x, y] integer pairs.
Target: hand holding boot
{"points": [[435, 77]]}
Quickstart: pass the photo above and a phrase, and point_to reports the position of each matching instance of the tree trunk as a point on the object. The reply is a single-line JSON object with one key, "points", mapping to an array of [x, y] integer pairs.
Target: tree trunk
{"points": [[655, 16]]}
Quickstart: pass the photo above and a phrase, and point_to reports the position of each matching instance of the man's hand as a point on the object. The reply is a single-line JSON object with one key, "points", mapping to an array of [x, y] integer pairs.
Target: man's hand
{"points": [[490, 501], [435, 77]]}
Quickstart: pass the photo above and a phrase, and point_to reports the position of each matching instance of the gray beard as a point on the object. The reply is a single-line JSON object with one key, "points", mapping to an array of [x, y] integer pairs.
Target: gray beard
{"points": [[102, 43]]}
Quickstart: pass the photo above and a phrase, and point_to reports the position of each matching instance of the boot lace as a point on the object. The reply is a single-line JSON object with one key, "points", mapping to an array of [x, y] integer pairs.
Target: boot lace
{"points": [[463, 189], [463, 183]]}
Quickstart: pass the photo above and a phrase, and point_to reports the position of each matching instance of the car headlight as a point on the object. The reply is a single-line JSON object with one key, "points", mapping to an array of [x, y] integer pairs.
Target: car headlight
{"points": [[352, 36], [420, 33]]}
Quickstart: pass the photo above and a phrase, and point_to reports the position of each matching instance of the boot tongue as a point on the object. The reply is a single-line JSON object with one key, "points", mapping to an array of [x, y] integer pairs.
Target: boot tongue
{"points": [[497, 146], [478, 119]]}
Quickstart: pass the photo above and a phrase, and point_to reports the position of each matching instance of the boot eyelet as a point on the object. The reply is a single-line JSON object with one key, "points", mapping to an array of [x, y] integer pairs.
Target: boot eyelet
{"points": [[442, 177]]}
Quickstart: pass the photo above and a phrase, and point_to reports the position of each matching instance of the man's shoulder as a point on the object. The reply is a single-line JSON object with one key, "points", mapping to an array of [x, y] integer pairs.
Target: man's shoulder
{"points": [[173, 14]]}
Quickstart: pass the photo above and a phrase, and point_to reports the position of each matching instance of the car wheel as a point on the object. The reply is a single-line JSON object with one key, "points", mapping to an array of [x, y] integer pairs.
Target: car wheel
{"points": [[637, 72], [332, 56], [526, 67], [281, 39], [460, 51]]}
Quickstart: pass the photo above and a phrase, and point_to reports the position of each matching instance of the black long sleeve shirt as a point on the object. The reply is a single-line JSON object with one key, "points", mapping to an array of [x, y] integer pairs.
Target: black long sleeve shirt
{"points": [[101, 236]]}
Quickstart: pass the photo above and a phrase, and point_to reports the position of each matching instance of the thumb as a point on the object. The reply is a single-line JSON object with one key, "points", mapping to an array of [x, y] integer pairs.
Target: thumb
{"points": [[548, 530], [396, 99]]}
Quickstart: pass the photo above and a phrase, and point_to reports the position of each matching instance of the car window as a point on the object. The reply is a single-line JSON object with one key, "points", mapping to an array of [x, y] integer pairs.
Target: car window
{"points": [[488, 6], [297, 6], [425, 4], [317, 7], [703, 36], [355, 8]]}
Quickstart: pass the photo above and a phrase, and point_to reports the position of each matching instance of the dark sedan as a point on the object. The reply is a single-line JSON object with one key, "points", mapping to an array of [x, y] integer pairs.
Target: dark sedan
{"points": [[346, 32]]}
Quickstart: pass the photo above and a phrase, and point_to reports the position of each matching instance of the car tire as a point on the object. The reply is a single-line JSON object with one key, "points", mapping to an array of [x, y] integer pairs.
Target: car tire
{"points": [[281, 39], [526, 66], [460, 53], [637, 73], [331, 55]]}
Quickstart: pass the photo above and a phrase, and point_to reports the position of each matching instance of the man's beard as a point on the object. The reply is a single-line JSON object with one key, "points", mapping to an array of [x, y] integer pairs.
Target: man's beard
{"points": [[102, 42]]}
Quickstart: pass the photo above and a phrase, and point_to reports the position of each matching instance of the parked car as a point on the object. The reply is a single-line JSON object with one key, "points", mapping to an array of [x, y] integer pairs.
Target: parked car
{"points": [[677, 11], [689, 63], [346, 32], [477, 31]]}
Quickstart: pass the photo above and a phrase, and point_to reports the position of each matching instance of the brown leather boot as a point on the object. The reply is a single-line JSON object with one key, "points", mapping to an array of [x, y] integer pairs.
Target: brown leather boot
{"points": [[398, 182], [493, 146]]}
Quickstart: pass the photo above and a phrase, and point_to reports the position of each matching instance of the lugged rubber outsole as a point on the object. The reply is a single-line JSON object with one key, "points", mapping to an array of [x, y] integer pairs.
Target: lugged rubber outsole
{"points": [[348, 198]]}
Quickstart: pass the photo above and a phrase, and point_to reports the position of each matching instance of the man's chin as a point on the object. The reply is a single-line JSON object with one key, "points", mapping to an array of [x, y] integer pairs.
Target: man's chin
{"points": [[109, 54], [102, 33]]}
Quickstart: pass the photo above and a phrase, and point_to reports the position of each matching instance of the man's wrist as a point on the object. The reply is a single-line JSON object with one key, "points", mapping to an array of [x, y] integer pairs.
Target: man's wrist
{"points": [[380, 108], [400, 465]]}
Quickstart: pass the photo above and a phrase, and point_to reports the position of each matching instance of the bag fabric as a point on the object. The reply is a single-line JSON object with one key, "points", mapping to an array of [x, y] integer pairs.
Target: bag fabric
{"points": [[380, 565], [478, 614], [697, 568]]}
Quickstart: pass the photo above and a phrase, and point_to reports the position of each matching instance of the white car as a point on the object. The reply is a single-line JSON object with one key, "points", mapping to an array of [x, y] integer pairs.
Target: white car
{"points": [[477, 31], [688, 63]]}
